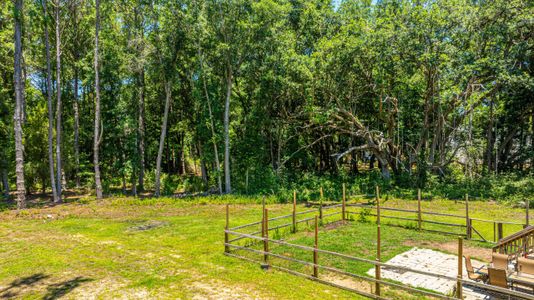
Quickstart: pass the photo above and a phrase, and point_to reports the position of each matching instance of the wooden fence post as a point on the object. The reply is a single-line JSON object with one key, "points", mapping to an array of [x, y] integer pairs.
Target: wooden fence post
{"points": [[494, 231], [377, 196], [499, 231], [262, 209], [527, 221], [266, 237], [377, 205], [467, 220], [321, 213], [459, 292], [378, 259], [378, 241], [315, 247], [419, 215], [294, 211], [226, 226], [343, 204], [321, 205]]}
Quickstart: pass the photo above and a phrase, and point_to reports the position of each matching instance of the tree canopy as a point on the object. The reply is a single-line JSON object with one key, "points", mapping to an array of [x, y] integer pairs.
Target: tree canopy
{"points": [[253, 95]]}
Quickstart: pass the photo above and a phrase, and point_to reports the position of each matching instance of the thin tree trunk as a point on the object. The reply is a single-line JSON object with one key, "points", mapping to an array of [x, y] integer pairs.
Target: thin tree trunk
{"points": [[227, 183], [5, 181], [167, 166], [58, 106], [19, 99], [203, 169], [50, 110], [215, 148], [76, 130], [123, 171], [489, 137], [76, 110], [182, 154], [141, 130], [173, 159], [134, 184], [97, 133], [212, 125], [3, 168], [162, 137]]}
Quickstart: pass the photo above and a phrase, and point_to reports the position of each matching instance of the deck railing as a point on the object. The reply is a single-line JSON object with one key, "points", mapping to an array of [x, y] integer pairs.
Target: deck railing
{"points": [[518, 244]]}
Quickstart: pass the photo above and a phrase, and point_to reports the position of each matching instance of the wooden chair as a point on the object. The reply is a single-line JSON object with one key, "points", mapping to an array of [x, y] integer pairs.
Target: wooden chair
{"points": [[497, 277], [525, 265], [471, 271], [499, 261]]}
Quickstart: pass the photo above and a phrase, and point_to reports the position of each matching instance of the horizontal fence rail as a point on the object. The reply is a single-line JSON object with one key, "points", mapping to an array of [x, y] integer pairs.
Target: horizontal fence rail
{"points": [[345, 256], [365, 294], [335, 270]]}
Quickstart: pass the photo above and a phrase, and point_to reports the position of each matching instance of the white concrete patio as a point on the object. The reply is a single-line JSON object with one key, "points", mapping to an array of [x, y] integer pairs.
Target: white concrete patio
{"points": [[429, 261]]}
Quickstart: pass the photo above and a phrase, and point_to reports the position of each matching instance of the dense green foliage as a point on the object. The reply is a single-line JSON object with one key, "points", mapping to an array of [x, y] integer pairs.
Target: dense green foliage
{"points": [[405, 94]]}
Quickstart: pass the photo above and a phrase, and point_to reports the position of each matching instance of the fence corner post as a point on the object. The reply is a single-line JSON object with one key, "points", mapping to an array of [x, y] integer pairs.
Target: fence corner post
{"points": [[315, 247], [226, 226], [459, 292], [343, 204], [467, 219], [294, 211], [419, 214], [378, 275], [266, 238]]}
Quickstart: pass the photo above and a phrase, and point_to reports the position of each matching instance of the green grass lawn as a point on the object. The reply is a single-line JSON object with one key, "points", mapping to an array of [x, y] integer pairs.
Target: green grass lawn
{"points": [[171, 248], [109, 250]]}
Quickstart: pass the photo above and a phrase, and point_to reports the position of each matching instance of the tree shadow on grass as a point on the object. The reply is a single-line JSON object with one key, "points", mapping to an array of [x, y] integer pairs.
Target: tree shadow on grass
{"points": [[54, 291], [60, 289], [10, 290]]}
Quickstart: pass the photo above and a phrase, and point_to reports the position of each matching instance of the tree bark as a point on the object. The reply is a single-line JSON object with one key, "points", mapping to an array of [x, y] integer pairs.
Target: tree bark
{"points": [[58, 106], [227, 183], [50, 109], [168, 95], [97, 133], [19, 102]]}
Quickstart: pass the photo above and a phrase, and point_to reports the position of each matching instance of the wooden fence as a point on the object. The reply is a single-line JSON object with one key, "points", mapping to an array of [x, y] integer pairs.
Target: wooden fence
{"points": [[465, 221], [321, 216]]}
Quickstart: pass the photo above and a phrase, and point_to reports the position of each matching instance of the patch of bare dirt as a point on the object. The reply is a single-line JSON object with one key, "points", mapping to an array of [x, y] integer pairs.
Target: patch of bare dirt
{"points": [[327, 227], [148, 225], [118, 289], [359, 285], [452, 248], [334, 225], [214, 289]]}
